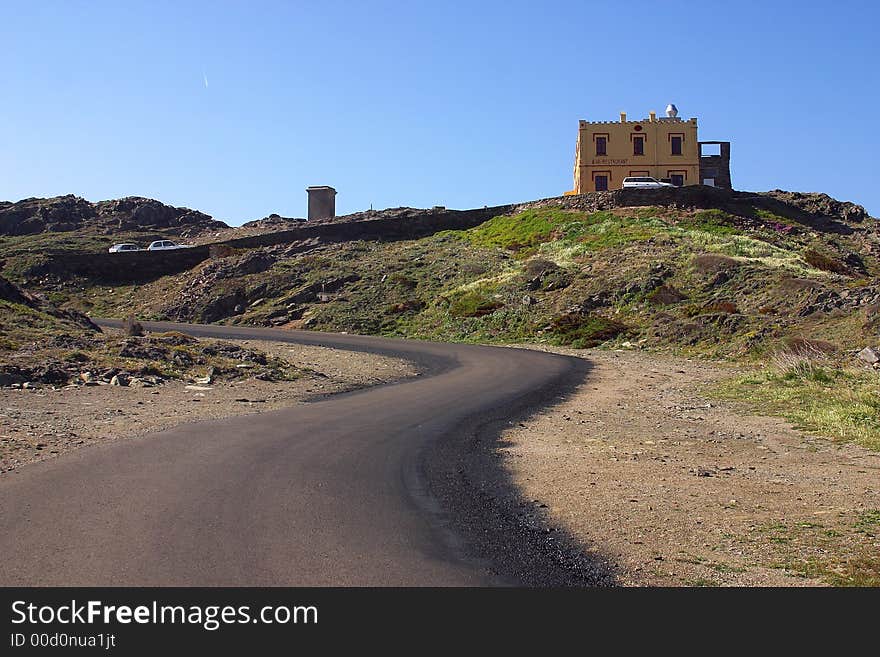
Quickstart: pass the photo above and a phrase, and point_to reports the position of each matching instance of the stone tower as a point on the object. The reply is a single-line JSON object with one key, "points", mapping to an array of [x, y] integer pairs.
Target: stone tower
{"points": [[322, 202]]}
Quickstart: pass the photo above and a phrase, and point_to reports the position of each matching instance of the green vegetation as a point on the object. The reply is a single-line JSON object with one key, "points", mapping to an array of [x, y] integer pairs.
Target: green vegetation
{"points": [[521, 231], [839, 403], [842, 556], [714, 222], [473, 304], [524, 232]]}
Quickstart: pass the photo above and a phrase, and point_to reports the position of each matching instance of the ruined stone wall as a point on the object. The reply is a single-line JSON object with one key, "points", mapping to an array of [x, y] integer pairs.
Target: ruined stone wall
{"points": [[717, 167]]}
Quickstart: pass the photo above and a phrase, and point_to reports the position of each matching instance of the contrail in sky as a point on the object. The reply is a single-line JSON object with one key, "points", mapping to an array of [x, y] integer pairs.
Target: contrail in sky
{"points": [[205, 75]]}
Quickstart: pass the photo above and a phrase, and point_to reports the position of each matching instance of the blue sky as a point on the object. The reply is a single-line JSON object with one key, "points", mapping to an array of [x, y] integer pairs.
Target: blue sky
{"points": [[462, 104]]}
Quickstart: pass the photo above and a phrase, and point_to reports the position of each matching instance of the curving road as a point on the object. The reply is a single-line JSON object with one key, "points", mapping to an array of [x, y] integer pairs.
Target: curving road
{"points": [[324, 493]]}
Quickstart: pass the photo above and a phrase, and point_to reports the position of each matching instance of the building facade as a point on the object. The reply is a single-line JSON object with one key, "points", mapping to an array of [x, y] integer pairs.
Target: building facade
{"points": [[665, 148]]}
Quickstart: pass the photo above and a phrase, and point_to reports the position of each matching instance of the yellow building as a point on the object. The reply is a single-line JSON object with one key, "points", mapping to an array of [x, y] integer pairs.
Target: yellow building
{"points": [[608, 151]]}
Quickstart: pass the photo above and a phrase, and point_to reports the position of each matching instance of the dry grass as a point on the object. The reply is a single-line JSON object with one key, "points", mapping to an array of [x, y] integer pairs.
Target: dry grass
{"points": [[803, 362], [808, 388]]}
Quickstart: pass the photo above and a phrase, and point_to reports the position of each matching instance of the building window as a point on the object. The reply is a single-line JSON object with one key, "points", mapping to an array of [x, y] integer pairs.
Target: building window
{"points": [[601, 183], [676, 145], [638, 145], [676, 179], [601, 146]]}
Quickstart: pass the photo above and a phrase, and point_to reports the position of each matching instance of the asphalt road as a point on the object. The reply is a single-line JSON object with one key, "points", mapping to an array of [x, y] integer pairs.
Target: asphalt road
{"points": [[324, 493]]}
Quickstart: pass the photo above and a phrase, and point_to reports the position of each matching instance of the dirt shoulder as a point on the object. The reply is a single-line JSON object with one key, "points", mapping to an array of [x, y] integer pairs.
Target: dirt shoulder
{"points": [[41, 423], [644, 467]]}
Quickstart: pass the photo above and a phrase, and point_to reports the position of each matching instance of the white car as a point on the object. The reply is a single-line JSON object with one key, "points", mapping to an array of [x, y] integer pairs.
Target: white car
{"points": [[119, 248], [645, 183], [165, 245]]}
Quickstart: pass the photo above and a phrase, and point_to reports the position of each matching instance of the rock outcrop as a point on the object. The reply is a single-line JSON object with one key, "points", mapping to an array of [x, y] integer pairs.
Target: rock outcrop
{"points": [[14, 294], [70, 213]]}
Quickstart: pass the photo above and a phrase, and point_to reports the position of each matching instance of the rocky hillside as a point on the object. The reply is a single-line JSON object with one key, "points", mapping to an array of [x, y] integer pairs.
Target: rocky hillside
{"points": [[697, 270], [72, 213], [41, 344], [28, 325]]}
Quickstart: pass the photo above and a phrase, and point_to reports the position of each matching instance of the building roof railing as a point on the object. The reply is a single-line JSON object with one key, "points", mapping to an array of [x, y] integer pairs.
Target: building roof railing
{"points": [[664, 119]]}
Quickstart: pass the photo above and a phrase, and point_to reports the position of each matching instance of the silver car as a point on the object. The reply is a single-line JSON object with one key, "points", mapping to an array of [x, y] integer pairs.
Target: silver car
{"points": [[644, 183], [119, 248], [165, 245]]}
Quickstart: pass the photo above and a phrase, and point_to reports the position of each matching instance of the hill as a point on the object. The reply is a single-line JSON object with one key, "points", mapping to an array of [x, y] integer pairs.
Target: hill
{"points": [[696, 270]]}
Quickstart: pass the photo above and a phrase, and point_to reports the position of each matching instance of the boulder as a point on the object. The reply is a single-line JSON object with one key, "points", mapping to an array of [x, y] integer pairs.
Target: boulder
{"points": [[869, 355]]}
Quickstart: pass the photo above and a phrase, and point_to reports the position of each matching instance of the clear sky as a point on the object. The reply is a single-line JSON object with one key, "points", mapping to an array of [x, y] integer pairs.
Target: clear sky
{"points": [[234, 108]]}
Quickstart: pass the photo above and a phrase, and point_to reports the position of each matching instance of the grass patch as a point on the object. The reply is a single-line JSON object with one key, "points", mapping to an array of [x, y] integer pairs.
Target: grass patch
{"points": [[473, 304], [703, 582], [714, 222], [840, 557], [834, 402], [520, 231], [525, 231], [868, 522]]}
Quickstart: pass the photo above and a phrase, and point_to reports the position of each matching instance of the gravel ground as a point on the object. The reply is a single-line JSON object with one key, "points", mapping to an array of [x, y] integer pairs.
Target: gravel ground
{"points": [[42, 423], [668, 487]]}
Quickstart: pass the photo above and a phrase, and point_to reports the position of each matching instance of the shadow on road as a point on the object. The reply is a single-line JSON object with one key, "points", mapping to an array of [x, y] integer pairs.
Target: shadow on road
{"points": [[509, 535]]}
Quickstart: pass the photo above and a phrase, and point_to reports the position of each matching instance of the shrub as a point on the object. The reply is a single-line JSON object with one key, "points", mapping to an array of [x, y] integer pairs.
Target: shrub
{"points": [[516, 232], [583, 331], [805, 363], [725, 307], [76, 357], [539, 266], [403, 281], [716, 222], [410, 305], [175, 338], [474, 268], [825, 263], [710, 263], [8, 344], [797, 345], [666, 295]]}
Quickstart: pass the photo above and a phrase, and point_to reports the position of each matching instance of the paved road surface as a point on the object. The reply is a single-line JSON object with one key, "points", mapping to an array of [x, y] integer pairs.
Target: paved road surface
{"points": [[325, 493]]}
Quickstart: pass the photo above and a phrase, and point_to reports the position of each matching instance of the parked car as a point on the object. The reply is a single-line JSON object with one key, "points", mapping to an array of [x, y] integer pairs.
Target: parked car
{"points": [[119, 248], [166, 245], [645, 183]]}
